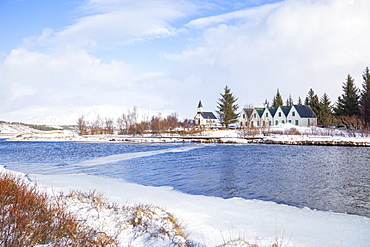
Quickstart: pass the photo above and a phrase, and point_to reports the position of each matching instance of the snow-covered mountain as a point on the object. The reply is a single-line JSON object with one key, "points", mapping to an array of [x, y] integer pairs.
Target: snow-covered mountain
{"points": [[69, 116]]}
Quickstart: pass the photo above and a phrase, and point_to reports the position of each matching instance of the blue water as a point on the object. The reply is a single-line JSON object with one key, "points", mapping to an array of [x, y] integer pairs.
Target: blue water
{"points": [[319, 177]]}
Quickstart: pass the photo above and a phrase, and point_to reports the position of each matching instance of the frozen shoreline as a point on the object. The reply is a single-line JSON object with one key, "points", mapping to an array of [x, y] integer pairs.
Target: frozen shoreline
{"points": [[212, 220], [216, 138], [286, 134]]}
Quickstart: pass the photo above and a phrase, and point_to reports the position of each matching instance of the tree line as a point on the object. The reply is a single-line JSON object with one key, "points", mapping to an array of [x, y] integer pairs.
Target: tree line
{"points": [[129, 124], [351, 110]]}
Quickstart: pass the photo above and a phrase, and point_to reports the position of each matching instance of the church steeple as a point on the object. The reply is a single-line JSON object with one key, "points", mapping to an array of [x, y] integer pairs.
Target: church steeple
{"points": [[200, 107]]}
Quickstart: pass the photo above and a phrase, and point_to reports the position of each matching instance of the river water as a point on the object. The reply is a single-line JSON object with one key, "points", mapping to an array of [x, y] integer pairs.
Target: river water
{"points": [[326, 178]]}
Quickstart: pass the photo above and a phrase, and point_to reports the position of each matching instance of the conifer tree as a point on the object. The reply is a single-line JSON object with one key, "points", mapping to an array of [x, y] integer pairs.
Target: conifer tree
{"points": [[312, 100], [365, 96], [289, 101], [348, 102], [227, 108], [325, 116], [299, 101], [277, 100]]}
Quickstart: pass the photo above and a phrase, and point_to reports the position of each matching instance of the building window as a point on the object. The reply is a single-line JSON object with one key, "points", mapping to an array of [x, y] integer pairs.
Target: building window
{"points": [[309, 122], [252, 123], [279, 114], [293, 113], [267, 115], [276, 122], [296, 122], [290, 121], [269, 123], [258, 123], [243, 115], [282, 121], [255, 115]]}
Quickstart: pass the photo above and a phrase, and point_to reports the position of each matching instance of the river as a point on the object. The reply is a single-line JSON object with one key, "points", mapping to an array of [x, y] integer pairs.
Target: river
{"points": [[329, 178]]}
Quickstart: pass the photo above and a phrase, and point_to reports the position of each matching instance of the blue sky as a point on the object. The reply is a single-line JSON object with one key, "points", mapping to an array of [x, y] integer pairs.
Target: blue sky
{"points": [[169, 54]]}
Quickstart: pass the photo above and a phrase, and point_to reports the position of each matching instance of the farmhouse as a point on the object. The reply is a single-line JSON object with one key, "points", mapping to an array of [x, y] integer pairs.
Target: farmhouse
{"points": [[300, 115], [205, 119]]}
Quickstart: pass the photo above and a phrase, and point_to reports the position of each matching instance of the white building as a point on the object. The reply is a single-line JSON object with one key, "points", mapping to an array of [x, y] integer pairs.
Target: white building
{"points": [[300, 115], [205, 119]]}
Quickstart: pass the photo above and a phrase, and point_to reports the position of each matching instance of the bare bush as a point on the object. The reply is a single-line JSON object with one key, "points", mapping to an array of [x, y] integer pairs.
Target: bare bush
{"points": [[292, 131], [97, 127], [82, 128], [28, 218], [109, 126], [248, 131], [354, 124], [157, 125]]}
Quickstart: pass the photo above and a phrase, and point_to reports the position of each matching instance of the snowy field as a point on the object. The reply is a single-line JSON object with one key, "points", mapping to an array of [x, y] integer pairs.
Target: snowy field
{"points": [[212, 221], [307, 135]]}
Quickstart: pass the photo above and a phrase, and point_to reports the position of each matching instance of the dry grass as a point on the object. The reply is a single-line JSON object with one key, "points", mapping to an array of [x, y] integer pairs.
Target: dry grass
{"points": [[144, 222], [28, 218]]}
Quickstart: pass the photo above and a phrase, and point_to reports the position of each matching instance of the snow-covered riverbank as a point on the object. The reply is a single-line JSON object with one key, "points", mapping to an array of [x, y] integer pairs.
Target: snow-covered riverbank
{"points": [[287, 134], [213, 221], [209, 137]]}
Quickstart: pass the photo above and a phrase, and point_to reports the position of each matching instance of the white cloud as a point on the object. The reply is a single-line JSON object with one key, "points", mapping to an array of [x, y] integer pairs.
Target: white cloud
{"points": [[293, 45], [246, 15], [72, 77], [64, 77], [123, 22]]}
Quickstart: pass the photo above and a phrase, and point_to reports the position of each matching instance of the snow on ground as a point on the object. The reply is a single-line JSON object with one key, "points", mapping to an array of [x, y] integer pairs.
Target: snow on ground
{"points": [[14, 128], [213, 221]]}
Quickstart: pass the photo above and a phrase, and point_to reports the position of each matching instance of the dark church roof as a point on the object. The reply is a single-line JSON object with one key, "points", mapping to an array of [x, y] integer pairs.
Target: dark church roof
{"points": [[305, 111], [208, 115]]}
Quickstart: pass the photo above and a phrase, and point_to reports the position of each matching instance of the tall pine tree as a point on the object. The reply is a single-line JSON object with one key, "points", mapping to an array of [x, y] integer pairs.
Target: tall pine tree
{"points": [[299, 101], [289, 101], [312, 100], [277, 100], [325, 116], [365, 96], [227, 108], [348, 102]]}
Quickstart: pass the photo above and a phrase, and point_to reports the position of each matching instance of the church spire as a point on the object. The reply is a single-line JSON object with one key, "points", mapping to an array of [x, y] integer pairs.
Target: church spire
{"points": [[200, 107]]}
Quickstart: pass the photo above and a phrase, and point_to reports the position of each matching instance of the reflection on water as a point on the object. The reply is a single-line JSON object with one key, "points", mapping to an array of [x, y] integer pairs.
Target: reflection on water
{"points": [[319, 177]]}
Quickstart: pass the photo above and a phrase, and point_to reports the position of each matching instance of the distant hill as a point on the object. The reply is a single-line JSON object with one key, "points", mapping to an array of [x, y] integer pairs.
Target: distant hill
{"points": [[54, 116]]}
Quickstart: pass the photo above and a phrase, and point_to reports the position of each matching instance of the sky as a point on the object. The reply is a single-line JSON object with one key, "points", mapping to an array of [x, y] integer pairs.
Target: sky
{"points": [[169, 54]]}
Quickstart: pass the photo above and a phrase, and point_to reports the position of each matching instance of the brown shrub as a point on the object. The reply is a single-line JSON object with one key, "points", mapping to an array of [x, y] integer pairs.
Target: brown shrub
{"points": [[28, 218]]}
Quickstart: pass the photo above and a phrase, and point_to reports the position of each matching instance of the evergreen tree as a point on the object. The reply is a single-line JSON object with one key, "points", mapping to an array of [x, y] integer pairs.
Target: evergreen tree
{"points": [[325, 116], [277, 100], [365, 96], [289, 101], [227, 108], [312, 100], [299, 101], [348, 102]]}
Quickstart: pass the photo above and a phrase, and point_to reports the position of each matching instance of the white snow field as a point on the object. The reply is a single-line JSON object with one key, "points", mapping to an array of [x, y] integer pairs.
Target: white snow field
{"points": [[212, 221]]}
